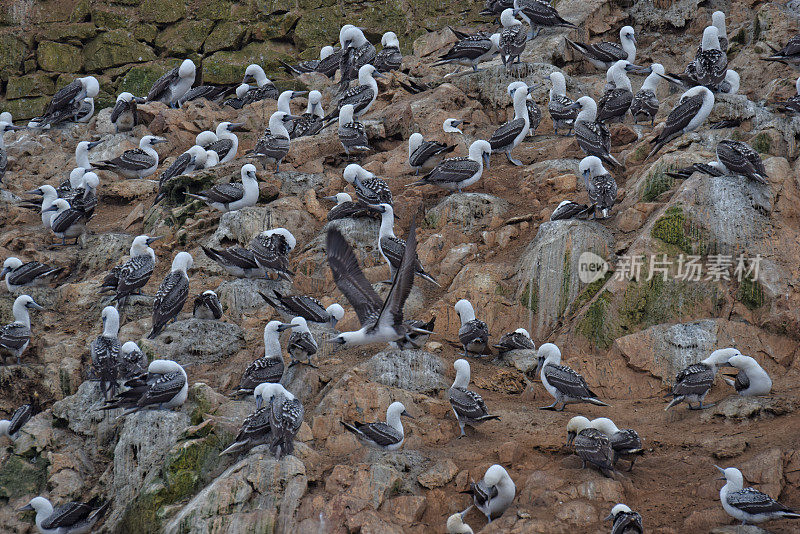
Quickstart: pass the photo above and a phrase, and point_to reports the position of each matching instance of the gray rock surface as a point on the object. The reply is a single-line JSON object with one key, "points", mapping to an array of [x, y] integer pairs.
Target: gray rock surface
{"points": [[413, 370], [197, 341]]}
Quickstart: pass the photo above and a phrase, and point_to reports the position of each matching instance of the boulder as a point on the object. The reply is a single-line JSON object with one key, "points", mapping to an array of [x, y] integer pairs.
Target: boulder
{"points": [[470, 211], [197, 341], [113, 48], [410, 369], [36, 84], [241, 295]]}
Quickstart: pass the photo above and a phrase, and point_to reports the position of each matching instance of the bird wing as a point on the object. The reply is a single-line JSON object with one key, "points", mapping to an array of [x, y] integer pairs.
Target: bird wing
{"points": [[65, 219], [393, 248], [559, 108], [467, 403], [614, 103], [482, 494], [470, 48], [742, 381], [286, 415], [233, 256], [224, 193], [163, 389], [350, 279], [710, 67], [119, 108], [388, 59], [359, 96], [270, 252], [135, 160], [134, 274], [14, 336], [303, 341], [542, 14], [66, 515], [221, 147], [21, 416], [567, 381], [351, 210], [177, 168], [740, 158], [452, 171], [607, 52], [627, 523], [170, 298], [30, 271], [255, 425], [392, 311], [162, 84], [594, 447], [680, 117], [353, 134], [209, 301], [382, 434], [264, 369], [645, 101], [505, 135], [64, 97], [752, 501], [474, 330], [426, 150], [307, 125], [374, 191], [626, 439], [694, 380]]}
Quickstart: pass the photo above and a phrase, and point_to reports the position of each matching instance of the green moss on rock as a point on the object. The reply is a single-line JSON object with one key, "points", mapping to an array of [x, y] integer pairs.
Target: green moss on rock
{"points": [[657, 182], [19, 477], [225, 35], [318, 26], [59, 57], [530, 296], [214, 10], [113, 48], [12, 54], [751, 293], [278, 27], [595, 325], [145, 33], [184, 37], [762, 143], [26, 108], [108, 18], [140, 78], [162, 11], [229, 66], [37, 84], [671, 228], [61, 32]]}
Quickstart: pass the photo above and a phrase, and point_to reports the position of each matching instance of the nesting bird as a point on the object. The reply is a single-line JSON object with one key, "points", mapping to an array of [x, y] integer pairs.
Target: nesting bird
{"points": [[363, 95], [271, 250], [357, 52], [565, 385], [190, 161], [590, 444], [137, 163], [494, 494], [232, 196], [310, 122], [604, 54], [473, 333], [592, 136], [68, 102], [736, 157], [424, 155], [625, 520], [264, 89], [388, 436], [389, 58], [519, 339], [301, 345], [15, 337], [18, 274], [285, 417], [173, 85], [207, 306], [346, 208], [255, 430], [467, 405], [172, 294], [470, 51], [751, 380], [227, 143], [568, 209], [66, 222], [369, 188], [125, 115], [600, 184], [626, 442], [749, 505], [693, 383], [68, 518], [164, 387]]}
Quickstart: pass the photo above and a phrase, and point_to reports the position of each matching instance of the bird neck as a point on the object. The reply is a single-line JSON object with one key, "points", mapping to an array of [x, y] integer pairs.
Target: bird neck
{"points": [[82, 157], [283, 102], [462, 379], [520, 106], [277, 128], [272, 345], [630, 49], [21, 314], [651, 82], [111, 328], [43, 511], [393, 420], [621, 80], [588, 113], [387, 225]]}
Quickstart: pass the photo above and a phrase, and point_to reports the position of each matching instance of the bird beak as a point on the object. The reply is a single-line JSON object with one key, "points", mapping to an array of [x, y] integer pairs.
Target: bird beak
{"points": [[37, 191], [574, 105], [515, 11], [633, 38], [532, 87], [156, 238], [721, 470], [459, 122], [287, 118], [33, 305], [377, 207], [570, 437], [636, 68], [248, 78], [332, 198], [539, 364], [587, 174], [285, 326], [158, 140], [609, 517], [236, 127], [11, 128], [51, 208], [4, 271], [25, 508], [404, 413], [337, 339], [486, 160], [94, 144], [377, 74], [259, 401], [298, 93]]}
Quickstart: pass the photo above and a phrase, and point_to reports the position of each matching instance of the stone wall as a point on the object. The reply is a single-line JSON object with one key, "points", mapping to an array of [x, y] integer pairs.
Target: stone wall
{"points": [[128, 44]]}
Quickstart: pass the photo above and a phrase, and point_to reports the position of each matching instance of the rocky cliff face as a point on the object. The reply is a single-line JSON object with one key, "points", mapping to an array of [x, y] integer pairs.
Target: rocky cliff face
{"points": [[493, 244]]}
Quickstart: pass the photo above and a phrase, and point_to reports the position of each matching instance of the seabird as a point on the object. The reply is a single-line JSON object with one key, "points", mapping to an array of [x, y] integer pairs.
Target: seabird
{"points": [[363, 95], [539, 14], [125, 114], [49, 195], [190, 161], [173, 85], [285, 416], [82, 156], [789, 54], [273, 145], [131, 276], [212, 93], [237, 261], [269, 367], [512, 38], [255, 430], [67, 102], [692, 110], [709, 66], [568, 209], [232, 196], [712, 168], [264, 90], [470, 51], [165, 386], [237, 102], [730, 85], [207, 306], [345, 208], [19, 274], [494, 494], [271, 250], [624, 520], [604, 54], [381, 321], [66, 222], [66, 189], [330, 59], [417, 335], [84, 198], [172, 294], [510, 135], [534, 113], [69, 518], [369, 188], [392, 248], [132, 361], [227, 144], [352, 134], [302, 344], [311, 65], [600, 184], [285, 105], [616, 102], [749, 505], [212, 159], [492, 8], [137, 163], [519, 339], [389, 58], [306, 307], [310, 122], [4, 127], [737, 157], [593, 137], [693, 383], [473, 333], [105, 353], [7, 117], [456, 525], [590, 444], [18, 419], [205, 139], [561, 106], [467, 405], [718, 21], [565, 385], [645, 102], [457, 173], [751, 380], [424, 154], [452, 126], [386, 436], [626, 442], [14, 337], [357, 52]]}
